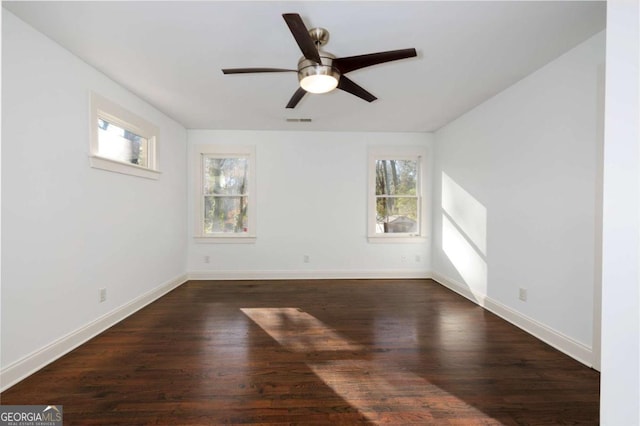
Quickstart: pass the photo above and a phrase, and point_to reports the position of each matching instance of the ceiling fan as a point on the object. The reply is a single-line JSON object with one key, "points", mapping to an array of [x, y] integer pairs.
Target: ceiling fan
{"points": [[320, 71]]}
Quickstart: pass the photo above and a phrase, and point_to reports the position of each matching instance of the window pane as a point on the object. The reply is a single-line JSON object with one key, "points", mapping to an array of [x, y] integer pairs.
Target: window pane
{"points": [[119, 144], [396, 215], [225, 214], [225, 176], [396, 177]]}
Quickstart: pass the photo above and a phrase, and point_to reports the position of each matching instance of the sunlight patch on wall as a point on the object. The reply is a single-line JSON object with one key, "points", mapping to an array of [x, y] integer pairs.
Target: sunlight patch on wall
{"points": [[467, 212], [468, 262], [464, 234], [298, 331]]}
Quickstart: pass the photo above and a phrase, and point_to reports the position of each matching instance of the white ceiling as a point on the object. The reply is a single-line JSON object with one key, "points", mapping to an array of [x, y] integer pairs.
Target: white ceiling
{"points": [[170, 54]]}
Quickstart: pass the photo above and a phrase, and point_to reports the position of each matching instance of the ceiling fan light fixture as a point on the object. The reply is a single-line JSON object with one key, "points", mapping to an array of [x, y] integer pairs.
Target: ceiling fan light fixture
{"points": [[319, 82], [316, 70], [318, 78]]}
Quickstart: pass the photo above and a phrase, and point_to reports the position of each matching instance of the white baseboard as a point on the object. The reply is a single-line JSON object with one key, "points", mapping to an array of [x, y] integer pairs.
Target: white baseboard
{"points": [[563, 343], [33, 362], [461, 289], [24, 367], [307, 275]]}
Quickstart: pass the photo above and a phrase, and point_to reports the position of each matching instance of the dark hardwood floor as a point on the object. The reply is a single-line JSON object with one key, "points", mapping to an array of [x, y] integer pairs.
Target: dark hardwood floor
{"points": [[314, 352]]}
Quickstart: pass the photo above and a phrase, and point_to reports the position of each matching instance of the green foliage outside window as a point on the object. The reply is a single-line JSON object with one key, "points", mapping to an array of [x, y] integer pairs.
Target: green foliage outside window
{"points": [[225, 195], [396, 196]]}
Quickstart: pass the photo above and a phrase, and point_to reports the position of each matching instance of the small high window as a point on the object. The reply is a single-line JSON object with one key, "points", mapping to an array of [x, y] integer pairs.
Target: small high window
{"points": [[121, 141], [120, 144]]}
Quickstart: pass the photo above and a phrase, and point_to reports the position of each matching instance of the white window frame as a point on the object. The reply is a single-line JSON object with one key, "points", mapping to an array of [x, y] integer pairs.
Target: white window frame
{"points": [[223, 151], [418, 154], [115, 114]]}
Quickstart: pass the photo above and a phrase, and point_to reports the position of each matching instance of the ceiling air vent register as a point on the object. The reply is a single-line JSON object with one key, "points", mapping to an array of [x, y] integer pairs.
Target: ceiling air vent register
{"points": [[298, 120]]}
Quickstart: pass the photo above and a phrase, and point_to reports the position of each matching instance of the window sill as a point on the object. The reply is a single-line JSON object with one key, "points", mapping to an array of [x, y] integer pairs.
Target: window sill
{"points": [[107, 164], [397, 239], [226, 240]]}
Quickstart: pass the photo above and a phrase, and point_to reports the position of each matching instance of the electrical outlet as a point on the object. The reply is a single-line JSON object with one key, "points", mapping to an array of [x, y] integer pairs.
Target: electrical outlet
{"points": [[306, 258], [103, 295], [207, 259], [418, 259], [403, 259], [523, 294]]}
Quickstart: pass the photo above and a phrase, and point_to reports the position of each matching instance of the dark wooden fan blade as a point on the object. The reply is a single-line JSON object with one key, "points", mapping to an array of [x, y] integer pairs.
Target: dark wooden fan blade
{"points": [[350, 87], [351, 63], [296, 97], [301, 34], [252, 70]]}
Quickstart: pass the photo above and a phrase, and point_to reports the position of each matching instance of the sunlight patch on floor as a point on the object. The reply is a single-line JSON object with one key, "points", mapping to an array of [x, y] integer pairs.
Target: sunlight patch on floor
{"points": [[298, 331], [381, 392]]}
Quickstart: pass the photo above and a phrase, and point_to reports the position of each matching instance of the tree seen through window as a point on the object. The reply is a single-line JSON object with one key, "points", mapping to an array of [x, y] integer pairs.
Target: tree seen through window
{"points": [[396, 196]]}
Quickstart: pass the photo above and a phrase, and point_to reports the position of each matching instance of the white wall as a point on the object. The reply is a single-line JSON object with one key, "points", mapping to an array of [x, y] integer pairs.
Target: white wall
{"points": [[68, 229], [312, 200], [620, 387], [517, 179], [521, 182]]}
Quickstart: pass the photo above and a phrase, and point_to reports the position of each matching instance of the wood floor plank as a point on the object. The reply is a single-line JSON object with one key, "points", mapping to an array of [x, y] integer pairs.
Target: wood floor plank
{"points": [[395, 352]]}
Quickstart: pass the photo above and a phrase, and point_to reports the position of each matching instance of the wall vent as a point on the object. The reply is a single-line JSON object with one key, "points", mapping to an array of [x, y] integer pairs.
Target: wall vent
{"points": [[298, 120]]}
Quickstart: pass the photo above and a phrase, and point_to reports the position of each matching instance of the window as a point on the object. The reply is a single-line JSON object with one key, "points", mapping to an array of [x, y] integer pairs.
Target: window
{"points": [[121, 141], [397, 211], [225, 196]]}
